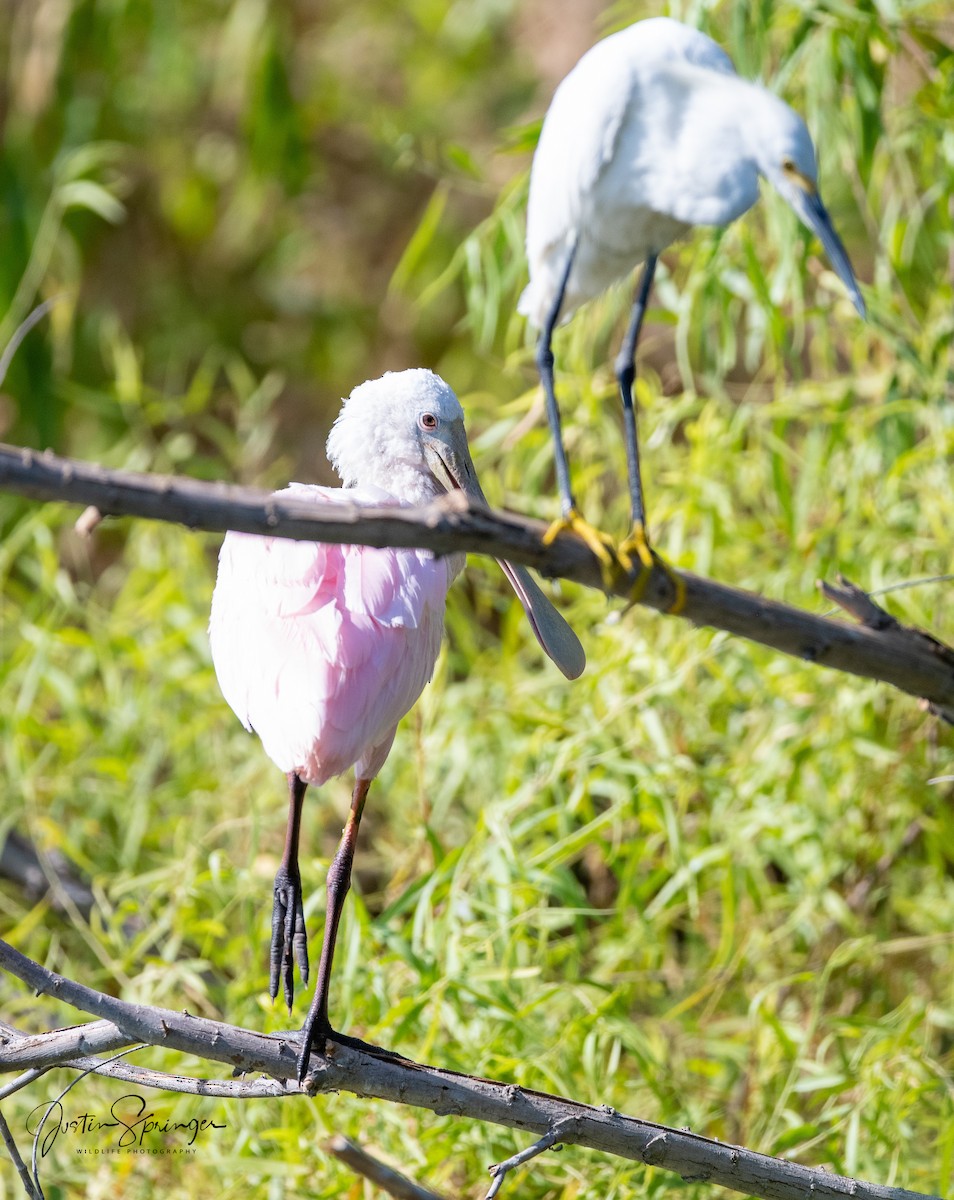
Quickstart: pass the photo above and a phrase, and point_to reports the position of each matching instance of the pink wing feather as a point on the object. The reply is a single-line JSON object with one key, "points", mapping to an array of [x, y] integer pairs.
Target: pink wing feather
{"points": [[320, 648]]}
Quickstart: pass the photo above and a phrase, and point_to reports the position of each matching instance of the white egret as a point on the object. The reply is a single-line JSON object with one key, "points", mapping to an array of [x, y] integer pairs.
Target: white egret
{"points": [[652, 132]]}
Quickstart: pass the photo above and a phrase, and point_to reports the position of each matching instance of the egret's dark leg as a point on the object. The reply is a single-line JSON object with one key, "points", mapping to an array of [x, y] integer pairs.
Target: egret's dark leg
{"points": [[626, 377], [637, 542], [289, 938], [317, 1025], [545, 367], [598, 542]]}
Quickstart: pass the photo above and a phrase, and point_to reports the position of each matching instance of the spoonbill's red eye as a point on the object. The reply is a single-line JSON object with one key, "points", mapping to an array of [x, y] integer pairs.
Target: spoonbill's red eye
{"points": [[428, 421]]}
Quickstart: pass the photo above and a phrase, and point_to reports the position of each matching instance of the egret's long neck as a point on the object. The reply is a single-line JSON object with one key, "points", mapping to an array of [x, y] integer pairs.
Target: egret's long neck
{"points": [[710, 174]]}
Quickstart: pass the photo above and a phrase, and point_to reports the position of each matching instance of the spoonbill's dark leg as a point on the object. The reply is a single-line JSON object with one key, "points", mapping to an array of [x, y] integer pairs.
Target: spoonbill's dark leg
{"points": [[626, 377], [545, 367], [317, 1026], [289, 937]]}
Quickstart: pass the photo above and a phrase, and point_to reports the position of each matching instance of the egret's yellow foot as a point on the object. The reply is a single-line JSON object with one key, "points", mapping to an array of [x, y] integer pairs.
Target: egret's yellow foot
{"points": [[636, 549], [600, 543], [636, 545]]}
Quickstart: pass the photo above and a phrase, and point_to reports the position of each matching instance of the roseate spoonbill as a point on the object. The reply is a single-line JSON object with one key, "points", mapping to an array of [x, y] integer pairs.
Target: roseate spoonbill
{"points": [[321, 649], [652, 132]]}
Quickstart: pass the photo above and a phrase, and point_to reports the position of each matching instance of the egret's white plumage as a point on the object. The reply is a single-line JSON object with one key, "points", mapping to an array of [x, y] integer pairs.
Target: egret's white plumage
{"points": [[651, 133], [586, 166], [322, 648]]}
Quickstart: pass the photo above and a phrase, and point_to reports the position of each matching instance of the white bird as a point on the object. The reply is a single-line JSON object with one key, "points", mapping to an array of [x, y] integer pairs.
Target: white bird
{"points": [[652, 132], [322, 649]]}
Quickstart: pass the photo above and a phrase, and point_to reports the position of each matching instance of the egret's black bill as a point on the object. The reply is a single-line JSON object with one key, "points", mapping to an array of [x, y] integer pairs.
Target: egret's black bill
{"points": [[812, 212]]}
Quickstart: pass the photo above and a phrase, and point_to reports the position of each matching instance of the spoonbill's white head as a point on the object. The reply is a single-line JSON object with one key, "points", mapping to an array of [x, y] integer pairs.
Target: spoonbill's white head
{"points": [[404, 433]]}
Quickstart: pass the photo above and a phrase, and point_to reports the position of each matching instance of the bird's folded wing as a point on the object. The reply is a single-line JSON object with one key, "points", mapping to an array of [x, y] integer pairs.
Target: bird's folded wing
{"points": [[312, 635]]}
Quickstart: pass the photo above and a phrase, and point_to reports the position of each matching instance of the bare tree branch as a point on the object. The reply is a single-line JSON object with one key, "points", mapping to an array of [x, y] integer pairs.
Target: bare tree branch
{"points": [[59, 1048], [22, 1169], [21, 1081], [556, 1134], [907, 658], [388, 1180], [371, 1072], [51, 1049]]}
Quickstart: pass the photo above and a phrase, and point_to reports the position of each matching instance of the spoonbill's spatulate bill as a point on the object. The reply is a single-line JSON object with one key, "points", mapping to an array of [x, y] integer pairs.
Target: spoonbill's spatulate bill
{"points": [[322, 649], [652, 132]]}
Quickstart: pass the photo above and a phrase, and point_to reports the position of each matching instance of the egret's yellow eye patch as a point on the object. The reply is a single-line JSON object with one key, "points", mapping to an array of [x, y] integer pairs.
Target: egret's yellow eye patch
{"points": [[797, 177]]}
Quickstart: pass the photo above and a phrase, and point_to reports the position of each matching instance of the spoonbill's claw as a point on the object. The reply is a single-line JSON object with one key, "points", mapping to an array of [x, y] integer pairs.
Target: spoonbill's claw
{"points": [[289, 937], [314, 1033]]}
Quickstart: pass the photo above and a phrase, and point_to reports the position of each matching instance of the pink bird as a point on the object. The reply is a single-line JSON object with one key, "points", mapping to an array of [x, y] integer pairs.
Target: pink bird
{"points": [[321, 649]]}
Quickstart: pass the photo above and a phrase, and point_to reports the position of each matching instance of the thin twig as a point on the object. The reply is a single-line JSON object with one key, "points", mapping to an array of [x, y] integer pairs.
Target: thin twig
{"points": [[49, 1108], [859, 604], [226, 1089], [371, 1072], [22, 1169], [907, 658], [87, 521], [556, 1134], [902, 586], [22, 1081], [386, 1178]]}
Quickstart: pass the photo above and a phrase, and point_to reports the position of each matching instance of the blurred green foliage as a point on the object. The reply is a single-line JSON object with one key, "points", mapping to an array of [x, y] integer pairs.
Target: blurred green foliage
{"points": [[705, 884]]}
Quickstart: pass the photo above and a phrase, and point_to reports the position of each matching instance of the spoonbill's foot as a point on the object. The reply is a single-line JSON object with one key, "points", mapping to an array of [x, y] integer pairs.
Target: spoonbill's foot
{"points": [[636, 546], [289, 937], [315, 1040], [600, 543], [317, 1030]]}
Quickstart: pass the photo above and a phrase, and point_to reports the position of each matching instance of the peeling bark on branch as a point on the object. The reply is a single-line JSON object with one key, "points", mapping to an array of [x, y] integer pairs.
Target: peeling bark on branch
{"points": [[376, 1074], [881, 649]]}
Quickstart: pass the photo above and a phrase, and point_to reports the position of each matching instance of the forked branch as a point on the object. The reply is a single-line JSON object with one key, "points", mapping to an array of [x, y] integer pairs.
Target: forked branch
{"points": [[371, 1072]]}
